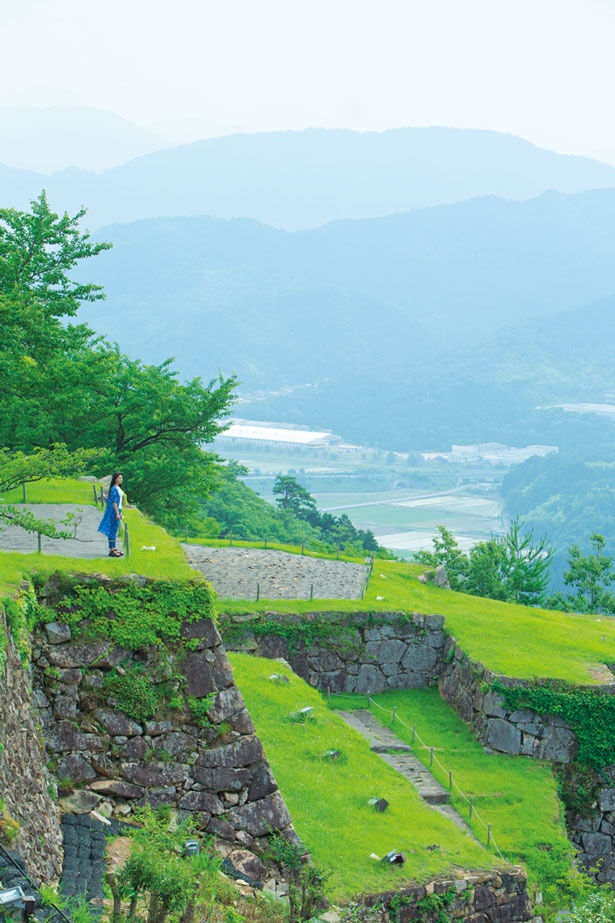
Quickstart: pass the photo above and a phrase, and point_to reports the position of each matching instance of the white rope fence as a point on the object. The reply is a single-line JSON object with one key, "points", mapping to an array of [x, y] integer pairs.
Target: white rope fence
{"points": [[433, 760]]}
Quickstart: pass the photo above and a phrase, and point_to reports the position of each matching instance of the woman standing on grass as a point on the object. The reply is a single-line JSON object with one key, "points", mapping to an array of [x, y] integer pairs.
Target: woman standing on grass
{"points": [[110, 522]]}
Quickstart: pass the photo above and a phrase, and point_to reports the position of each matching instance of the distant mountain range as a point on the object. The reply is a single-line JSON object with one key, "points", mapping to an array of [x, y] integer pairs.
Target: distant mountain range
{"points": [[374, 297], [366, 278], [60, 137], [291, 180]]}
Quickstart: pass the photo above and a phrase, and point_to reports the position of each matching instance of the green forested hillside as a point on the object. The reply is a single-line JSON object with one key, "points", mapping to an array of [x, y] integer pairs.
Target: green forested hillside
{"points": [[435, 279]]}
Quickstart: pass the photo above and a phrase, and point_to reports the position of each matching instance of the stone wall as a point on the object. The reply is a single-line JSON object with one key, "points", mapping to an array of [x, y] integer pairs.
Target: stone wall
{"points": [[25, 782], [360, 653], [465, 684], [492, 897], [218, 773], [401, 652], [366, 653], [593, 831]]}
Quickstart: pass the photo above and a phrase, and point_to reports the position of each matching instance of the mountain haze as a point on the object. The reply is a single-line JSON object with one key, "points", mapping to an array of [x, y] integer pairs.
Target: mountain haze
{"points": [[303, 179], [366, 297], [60, 137]]}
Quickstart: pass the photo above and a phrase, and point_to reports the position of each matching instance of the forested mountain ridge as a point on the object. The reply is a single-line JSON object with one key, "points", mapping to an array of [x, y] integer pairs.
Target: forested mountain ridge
{"points": [[300, 179], [376, 297], [508, 387]]}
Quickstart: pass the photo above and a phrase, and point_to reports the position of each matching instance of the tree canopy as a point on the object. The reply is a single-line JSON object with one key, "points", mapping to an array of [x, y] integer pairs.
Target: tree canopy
{"points": [[336, 531], [592, 575], [37, 251], [60, 383], [513, 567]]}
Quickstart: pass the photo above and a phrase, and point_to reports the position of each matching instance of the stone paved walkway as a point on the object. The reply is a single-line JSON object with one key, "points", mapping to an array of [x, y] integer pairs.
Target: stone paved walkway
{"points": [[236, 573], [88, 544], [399, 755], [239, 573]]}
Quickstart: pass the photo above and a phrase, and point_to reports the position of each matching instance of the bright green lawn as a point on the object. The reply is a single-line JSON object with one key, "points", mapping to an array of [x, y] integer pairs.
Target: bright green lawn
{"points": [[54, 490], [516, 795], [167, 561], [328, 801], [512, 640], [508, 639]]}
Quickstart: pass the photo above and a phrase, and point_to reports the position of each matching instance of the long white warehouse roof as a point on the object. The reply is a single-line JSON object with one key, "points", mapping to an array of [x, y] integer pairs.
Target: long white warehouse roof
{"points": [[274, 434]]}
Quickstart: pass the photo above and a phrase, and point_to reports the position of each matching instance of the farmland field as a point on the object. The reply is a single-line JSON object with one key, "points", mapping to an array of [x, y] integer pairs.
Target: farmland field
{"points": [[406, 523], [401, 503]]}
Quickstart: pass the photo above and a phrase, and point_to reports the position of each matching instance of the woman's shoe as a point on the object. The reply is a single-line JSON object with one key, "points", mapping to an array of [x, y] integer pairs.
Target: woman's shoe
{"points": [[115, 553]]}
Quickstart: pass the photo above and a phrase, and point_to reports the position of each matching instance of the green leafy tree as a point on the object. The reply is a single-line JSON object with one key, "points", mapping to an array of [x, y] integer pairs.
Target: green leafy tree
{"points": [[592, 575], [513, 567], [158, 872], [233, 508], [155, 428], [446, 551], [306, 882], [37, 251], [18, 469], [486, 569], [292, 496], [336, 531], [59, 383]]}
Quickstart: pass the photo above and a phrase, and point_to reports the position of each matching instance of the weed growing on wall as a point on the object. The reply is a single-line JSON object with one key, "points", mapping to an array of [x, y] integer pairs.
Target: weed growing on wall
{"points": [[133, 691], [199, 709], [590, 714], [297, 633], [131, 615], [21, 613]]}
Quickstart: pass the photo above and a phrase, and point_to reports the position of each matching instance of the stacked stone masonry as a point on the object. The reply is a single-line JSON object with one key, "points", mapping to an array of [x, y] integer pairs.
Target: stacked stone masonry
{"points": [[25, 783], [593, 834], [361, 656], [497, 897], [219, 774]]}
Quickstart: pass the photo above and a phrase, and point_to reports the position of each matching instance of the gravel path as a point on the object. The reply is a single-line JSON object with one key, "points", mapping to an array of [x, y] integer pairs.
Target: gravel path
{"points": [[88, 544], [241, 573]]}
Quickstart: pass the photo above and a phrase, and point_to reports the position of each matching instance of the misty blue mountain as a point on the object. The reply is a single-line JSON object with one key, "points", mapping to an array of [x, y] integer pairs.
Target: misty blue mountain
{"points": [[304, 179], [381, 298], [407, 289], [60, 137]]}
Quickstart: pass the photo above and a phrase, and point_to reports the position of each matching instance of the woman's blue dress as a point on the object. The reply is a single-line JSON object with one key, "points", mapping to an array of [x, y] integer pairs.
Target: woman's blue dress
{"points": [[109, 524]]}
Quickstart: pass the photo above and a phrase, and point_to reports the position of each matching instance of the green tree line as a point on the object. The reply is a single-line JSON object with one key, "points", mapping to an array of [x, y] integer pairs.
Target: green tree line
{"points": [[515, 567], [62, 385]]}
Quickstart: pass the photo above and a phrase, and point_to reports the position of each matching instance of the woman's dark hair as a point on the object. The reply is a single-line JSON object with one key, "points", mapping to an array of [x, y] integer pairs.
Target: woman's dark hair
{"points": [[114, 479]]}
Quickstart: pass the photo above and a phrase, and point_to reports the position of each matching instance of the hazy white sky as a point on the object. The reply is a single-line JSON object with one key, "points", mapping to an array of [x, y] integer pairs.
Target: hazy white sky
{"points": [[541, 69]]}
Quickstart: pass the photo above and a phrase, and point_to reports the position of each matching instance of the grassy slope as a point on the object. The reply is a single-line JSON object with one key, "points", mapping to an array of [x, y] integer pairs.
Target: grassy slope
{"points": [[508, 639], [517, 796], [167, 561], [329, 800]]}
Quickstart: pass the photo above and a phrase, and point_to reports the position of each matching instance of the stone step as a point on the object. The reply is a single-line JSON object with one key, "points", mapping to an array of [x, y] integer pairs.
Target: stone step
{"points": [[400, 757]]}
